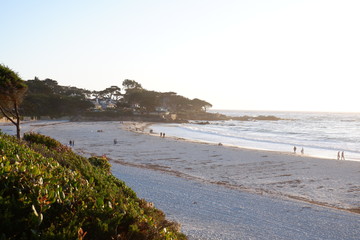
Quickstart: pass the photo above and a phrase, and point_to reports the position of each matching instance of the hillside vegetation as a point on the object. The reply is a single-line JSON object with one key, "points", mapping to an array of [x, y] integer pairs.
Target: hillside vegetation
{"points": [[49, 192], [48, 98]]}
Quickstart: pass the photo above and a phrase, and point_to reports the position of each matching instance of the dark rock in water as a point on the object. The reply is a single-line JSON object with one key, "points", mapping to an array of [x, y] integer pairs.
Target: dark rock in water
{"points": [[202, 123], [257, 118]]}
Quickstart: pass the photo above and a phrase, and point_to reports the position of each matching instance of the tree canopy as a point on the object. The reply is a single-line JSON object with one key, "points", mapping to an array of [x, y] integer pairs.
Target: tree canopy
{"points": [[12, 90], [48, 98], [131, 84]]}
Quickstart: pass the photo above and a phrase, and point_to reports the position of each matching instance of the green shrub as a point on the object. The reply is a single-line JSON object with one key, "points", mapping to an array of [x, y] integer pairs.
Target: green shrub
{"points": [[48, 142], [101, 162], [49, 192]]}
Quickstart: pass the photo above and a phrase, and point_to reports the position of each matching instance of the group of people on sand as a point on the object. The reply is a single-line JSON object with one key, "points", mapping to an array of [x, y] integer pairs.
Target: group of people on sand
{"points": [[302, 150], [162, 134], [71, 143], [342, 156]]}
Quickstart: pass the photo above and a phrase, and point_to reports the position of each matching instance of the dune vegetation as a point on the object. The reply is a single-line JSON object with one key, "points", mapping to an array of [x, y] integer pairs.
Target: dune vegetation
{"points": [[49, 192]]}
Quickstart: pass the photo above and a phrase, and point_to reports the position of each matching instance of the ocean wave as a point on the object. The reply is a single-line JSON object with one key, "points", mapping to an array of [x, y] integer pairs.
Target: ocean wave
{"points": [[317, 132]]}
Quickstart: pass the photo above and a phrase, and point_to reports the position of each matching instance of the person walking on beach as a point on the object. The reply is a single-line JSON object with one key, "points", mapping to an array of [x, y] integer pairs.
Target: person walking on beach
{"points": [[342, 155], [294, 149], [115, 141], [338, 157], [302, 151]]}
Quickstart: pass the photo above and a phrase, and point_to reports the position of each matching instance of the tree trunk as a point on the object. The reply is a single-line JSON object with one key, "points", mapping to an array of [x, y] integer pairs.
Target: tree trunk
{"points": [[10, 117], [18, 128], [17, 122]]}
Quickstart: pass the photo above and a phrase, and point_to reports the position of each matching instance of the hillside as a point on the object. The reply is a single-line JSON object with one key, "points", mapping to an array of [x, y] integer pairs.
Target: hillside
{"points": [[46, 98], [49, 192]]}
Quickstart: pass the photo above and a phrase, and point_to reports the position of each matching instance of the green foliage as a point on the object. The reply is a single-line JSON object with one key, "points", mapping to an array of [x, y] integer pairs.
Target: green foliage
{"points": [[49, 192], [108, 114], [42, 139], [9, 80], [110, 93], [12, 90], [131, 84], [146, 100], [47, 98], [101, 162]]}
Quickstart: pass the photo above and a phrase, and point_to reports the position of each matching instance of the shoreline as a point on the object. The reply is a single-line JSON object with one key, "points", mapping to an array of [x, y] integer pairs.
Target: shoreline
{"points": [[145, 127], [192, 132], [333, 183]]}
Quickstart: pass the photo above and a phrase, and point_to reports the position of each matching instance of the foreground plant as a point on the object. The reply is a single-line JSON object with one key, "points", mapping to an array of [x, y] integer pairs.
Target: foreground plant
{"points": [[49, 192]]}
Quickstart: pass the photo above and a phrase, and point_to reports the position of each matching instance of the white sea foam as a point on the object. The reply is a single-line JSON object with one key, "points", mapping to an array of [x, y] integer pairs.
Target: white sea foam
{"points": [[320, 134]]}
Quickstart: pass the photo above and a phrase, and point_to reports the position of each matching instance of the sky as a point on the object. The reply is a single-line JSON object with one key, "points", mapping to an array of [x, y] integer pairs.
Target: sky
{"points": [[293, 55]]}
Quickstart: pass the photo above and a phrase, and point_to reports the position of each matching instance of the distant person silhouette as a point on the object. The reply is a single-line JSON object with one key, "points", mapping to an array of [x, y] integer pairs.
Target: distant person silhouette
{"points": [[294, 149], [342, 155]]}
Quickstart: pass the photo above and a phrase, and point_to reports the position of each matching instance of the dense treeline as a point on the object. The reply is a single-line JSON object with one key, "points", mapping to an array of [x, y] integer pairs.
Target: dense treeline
{"points": [[47, 98]]}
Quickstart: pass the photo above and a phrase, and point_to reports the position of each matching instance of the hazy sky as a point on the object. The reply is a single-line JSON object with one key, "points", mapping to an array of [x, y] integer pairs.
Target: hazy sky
{"points": [[235, 54]]}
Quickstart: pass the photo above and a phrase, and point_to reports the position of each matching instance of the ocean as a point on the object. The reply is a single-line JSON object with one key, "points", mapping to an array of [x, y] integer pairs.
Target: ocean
{"points": [[319, 134]]}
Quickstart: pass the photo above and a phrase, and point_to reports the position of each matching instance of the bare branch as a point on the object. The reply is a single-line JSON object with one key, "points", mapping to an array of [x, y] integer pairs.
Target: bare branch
{"points": [[7, 116]]}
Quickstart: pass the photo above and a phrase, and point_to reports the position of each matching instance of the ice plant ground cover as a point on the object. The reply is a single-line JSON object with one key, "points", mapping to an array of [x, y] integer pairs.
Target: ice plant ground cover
{"points": [[49, 192]]}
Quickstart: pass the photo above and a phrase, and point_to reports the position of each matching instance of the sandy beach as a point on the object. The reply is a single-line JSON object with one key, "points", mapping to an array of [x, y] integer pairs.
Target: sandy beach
{"points": [[219, 192], [320, 181]]}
